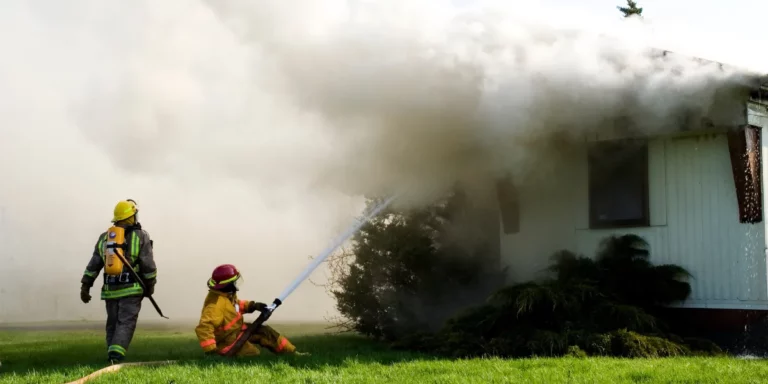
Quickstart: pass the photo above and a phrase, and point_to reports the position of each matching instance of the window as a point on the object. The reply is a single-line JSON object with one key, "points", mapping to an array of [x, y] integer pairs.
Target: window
{"points": [[744, 146], [618, 184]]}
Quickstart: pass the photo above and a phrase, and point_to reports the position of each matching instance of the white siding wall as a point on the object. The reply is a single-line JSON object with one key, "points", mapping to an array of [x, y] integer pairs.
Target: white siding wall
{"points": [[694, 216]]}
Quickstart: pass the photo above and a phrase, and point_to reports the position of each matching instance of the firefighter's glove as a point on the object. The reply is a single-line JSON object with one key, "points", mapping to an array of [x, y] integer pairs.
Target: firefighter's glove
{"points": [[255, 306], [150, 288], [85, 296]]}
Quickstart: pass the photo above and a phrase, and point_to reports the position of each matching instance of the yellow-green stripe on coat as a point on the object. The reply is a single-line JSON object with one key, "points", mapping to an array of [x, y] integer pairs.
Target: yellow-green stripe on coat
{"points": [[141, 257]]}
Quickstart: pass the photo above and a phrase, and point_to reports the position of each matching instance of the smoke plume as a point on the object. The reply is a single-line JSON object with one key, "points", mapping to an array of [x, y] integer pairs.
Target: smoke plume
{"points": [[247, 131]]}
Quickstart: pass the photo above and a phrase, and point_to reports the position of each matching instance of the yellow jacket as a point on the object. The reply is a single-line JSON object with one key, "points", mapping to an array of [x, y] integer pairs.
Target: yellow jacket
{"points": [[221, 323]]}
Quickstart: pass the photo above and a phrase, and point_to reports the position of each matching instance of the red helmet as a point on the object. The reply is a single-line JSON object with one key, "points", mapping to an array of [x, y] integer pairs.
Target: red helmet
{"points": [[223, 276]]}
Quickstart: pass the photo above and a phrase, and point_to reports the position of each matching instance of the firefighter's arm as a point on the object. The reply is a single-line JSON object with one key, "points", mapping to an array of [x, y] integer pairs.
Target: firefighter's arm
{"points": [[210, 319], [93, 268], [147, 261]]}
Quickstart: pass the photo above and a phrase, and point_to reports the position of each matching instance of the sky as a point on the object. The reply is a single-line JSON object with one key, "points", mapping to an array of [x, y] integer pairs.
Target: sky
{"points": [[736, 27]]}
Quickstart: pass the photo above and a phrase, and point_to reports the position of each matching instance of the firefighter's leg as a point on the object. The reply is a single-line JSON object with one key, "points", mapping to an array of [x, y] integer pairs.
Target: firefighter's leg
{"points": [[127, 317], [268, 338], [111, 319]]}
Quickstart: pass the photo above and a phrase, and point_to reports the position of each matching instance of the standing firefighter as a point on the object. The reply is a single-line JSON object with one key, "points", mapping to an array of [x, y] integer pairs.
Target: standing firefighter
{"points": [[121, 292], [221, 320]]}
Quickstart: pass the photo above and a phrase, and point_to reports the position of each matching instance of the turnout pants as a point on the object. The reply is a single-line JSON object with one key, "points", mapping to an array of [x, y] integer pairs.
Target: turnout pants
{"points": [[270, 339], [122, 316]]}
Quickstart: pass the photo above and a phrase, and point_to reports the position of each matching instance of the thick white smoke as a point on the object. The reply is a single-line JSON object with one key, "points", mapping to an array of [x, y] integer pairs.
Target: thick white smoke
{"points": [[247, 129], [418, 92]]}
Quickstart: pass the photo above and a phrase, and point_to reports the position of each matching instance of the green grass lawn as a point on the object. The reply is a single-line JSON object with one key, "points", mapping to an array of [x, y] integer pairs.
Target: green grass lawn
{"points": [[62, 356]]}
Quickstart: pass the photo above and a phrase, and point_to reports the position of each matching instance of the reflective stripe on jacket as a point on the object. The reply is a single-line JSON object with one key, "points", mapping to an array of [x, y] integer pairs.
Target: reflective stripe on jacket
{"points": [[221, 323], [140, 255]]}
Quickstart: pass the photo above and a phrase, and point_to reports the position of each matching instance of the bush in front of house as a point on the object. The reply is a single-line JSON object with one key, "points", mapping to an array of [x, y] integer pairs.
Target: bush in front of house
{"points": [[405, 275], [605, 306], [404, 282]]}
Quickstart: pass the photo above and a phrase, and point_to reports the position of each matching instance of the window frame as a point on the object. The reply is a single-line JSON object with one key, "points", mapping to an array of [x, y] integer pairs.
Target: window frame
{"points": [[645, 220]]}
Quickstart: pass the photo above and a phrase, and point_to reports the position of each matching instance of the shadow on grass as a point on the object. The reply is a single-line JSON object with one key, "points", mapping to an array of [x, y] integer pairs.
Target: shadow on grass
{"points": [[326, 350], [84, 353]]}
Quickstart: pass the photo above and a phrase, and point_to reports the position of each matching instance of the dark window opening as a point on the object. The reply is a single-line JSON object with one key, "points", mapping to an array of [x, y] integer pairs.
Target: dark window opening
{"points": [[618, 184], [744, 147]]}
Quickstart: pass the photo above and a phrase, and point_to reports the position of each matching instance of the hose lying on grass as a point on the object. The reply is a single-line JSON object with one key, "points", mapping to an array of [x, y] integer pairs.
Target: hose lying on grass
{"points": [[117, 367]]}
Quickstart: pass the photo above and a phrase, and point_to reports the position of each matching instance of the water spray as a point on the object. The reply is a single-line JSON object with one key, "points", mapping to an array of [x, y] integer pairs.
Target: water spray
{"points": [[267, 312]]}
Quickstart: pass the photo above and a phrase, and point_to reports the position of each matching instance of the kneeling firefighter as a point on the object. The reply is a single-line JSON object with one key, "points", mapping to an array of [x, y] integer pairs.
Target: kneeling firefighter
{"points": [[121, 292], [221, 320]]}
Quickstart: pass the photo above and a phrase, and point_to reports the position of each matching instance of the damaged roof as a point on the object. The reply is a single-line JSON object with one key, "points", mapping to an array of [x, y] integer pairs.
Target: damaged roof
{"points": [[759, 89]]}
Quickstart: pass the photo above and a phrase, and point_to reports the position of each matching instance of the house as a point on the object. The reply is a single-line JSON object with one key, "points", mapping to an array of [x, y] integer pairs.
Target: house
{"points": [[694, 194]]}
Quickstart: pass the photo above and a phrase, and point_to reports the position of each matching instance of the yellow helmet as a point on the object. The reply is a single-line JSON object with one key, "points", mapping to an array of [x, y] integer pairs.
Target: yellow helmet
{"points": [[125, 209]]}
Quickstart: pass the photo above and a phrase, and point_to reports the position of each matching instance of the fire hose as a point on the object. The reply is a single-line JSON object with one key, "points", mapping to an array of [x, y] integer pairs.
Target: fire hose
{"points": [[267, 312], [117, 367]]}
